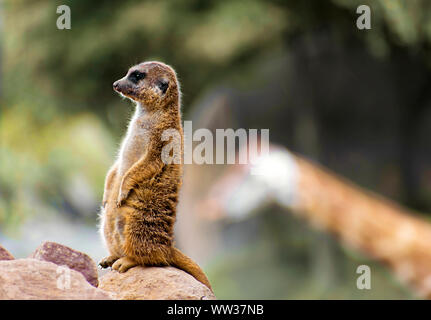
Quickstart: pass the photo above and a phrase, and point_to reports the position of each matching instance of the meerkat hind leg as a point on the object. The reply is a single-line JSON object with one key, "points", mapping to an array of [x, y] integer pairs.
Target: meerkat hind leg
{"points": [[108, 261], [123, 264]]}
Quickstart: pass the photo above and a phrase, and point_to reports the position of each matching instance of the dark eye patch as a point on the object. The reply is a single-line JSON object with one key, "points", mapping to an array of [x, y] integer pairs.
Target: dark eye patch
{"points": [[163, 85], [136, 76]]}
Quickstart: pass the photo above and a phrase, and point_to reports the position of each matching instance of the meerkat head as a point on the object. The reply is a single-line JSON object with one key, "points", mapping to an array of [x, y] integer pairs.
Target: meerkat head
{"points": [[152, 84]]}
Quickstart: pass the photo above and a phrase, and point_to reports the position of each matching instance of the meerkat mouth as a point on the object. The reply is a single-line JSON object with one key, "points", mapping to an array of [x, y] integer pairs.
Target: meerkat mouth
{"points": [[123, 92]]}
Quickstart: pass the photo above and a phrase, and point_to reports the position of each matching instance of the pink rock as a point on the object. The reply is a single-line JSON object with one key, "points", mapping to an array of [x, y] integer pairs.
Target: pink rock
{"points": [[62, 255], [154, 283], [24, 279], [5, 255]]}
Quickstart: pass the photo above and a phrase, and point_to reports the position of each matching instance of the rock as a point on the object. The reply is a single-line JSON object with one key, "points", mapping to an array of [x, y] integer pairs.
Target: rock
{"points": [[154, 283], [5, 255], [24, 279], [62, 255]]}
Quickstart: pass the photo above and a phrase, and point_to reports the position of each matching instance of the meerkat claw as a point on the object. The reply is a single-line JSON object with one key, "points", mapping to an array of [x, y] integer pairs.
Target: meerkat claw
{"points": [[118, 203], [108, 261], [124, 264], [121, 197]]}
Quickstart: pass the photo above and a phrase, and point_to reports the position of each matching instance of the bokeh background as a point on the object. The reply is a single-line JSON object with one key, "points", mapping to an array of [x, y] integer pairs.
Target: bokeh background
{"points": [[356, 101]]}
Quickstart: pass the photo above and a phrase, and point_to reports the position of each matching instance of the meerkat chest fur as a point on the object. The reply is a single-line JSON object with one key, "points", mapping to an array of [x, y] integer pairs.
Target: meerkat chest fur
{"points": [[136, 142]]}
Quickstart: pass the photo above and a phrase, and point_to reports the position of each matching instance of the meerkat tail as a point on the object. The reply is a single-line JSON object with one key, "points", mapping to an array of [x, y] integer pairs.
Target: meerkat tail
{"points": [[181, 261]]}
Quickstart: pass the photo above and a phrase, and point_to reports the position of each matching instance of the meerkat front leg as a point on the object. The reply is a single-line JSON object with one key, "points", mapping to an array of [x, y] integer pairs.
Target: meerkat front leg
{"points": [[140, 171], [110, 177]]}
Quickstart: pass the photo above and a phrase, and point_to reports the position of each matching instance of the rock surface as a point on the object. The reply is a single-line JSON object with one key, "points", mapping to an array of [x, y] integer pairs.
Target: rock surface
{"points": [[5, 255], [62, 255], [54, 271], [153, 283], [24, 279]]}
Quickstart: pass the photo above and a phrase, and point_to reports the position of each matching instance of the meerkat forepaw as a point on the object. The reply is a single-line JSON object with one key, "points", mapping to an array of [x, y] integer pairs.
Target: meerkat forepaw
{"points": [[122, 195], [119, 202], [108, 261], [123, 264]]}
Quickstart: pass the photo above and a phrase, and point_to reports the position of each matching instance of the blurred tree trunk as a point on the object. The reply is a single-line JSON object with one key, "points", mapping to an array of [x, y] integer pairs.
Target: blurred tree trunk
{"points": [[376, 226]]}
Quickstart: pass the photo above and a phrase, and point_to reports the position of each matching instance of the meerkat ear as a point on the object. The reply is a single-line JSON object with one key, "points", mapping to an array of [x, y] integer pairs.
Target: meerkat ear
{"points": [[163, 85]]}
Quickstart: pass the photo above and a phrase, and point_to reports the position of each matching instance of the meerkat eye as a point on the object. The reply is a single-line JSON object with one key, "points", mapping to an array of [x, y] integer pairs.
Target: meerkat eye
{"points": [[136, 76], [163, 85]]}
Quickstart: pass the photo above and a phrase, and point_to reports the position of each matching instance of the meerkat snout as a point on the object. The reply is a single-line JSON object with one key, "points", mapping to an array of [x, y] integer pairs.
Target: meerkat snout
{"points": [[123, 87]]}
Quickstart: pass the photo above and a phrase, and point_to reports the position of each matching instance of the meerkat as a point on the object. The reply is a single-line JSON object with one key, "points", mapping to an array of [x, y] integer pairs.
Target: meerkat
{"points": [[141, 191]]}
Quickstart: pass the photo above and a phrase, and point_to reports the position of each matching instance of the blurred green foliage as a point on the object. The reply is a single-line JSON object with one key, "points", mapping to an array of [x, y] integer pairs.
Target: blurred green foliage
{"points": [[204, 40]]}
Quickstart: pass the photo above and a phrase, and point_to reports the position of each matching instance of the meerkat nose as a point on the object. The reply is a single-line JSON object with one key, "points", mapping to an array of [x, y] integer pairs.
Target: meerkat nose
{"points": [[115, 85]]}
